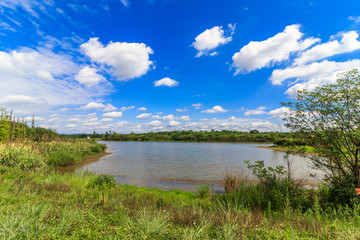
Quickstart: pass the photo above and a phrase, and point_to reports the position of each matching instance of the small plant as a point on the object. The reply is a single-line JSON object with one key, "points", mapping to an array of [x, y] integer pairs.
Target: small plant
{"points": [[204, 190], [233, 178], [104, 182]]}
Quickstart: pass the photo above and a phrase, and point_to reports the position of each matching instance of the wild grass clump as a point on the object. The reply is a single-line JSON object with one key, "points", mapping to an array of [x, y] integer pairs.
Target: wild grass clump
{"points": [[29, 155], [21, 155], [233, 178], [204, 190]]}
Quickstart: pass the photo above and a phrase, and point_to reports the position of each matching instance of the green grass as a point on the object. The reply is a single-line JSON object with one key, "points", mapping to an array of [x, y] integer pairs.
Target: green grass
{"points": [[40, 203], [49, 205]]}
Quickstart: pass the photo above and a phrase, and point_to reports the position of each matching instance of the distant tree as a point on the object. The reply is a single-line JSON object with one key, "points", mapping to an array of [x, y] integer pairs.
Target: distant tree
{"points": [[331, 116]]}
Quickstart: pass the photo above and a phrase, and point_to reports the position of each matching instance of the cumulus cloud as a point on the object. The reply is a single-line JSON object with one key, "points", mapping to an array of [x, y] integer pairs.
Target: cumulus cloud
{"points": [[211, 39], [155, 123], [143, 115], [256, 55], [112, 114], [215, 109], [197, 105], [106, 120], [142, 109], [46, 80], [169, 117], [257, 111], [279, 113], [89, 77], [168, 82], [311, 75], [232, 123], [347, 43], [92, 105], [173, 123], [185, 118], [109, 107], [126, 60]]}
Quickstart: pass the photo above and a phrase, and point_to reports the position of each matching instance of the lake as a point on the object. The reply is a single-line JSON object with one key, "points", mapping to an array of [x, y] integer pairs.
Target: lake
{"points": [[180, 165]]}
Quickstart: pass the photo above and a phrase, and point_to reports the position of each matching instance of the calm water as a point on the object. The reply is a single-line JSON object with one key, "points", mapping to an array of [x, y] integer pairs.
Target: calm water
{"points": [[169, 165]]}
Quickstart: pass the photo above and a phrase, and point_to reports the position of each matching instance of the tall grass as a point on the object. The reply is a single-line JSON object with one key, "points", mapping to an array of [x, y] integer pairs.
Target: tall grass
{"points": [[29, 155]]}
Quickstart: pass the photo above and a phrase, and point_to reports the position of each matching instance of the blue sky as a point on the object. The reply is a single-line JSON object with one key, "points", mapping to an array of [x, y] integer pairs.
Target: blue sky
{"points": [[159, 65]]}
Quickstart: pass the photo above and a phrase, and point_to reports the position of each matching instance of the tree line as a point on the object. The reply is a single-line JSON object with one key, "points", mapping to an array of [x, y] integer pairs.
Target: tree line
{"points": [[12, 128]]}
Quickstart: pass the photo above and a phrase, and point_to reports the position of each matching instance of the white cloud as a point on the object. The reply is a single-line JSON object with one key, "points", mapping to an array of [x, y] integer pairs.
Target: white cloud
{"points": [[109, 107], [71, 125], [155, 123], [211, 39], [126, 60], [106, 120], [143, 115], [279, 113], [185, 118], [35, 118], [89, 77], [17, 99], [257, 111], [123, 109], [311, 75], [181, 110], [142, 109], [348, 43], [174, 123], [355, 19], [168, 82], [215, 109], [156, 117], [256, 55], [169, 117], [112, 114], [41, 80], [92, 105], [197, 105], [75, 120]]}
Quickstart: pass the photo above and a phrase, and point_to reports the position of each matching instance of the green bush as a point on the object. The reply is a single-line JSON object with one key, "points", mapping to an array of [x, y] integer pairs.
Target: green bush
{"points": [[103, 181], [340, 191]]}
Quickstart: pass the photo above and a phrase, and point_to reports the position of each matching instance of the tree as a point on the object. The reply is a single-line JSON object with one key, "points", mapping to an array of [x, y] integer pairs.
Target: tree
{"points": [[329, 118]]}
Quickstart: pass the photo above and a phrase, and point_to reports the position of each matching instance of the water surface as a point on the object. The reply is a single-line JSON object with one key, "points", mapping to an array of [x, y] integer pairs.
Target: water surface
{"points": [[179, 165]]}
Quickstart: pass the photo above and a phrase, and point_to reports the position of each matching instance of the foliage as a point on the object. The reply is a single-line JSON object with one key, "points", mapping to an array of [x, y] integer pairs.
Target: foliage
{"points": [[329, 118], [204, 190], [12, 129], [339, 191], [190, 136], [104, 181], [29, 155]]}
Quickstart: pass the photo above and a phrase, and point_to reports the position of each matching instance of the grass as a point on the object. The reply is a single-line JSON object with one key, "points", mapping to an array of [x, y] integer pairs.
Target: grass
{"points": [[29, 155], [40, 203], [49, 205]]}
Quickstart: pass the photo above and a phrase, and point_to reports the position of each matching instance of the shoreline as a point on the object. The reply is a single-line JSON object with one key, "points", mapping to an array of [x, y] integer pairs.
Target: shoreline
{"points": [[85, 161], [282, 149]]}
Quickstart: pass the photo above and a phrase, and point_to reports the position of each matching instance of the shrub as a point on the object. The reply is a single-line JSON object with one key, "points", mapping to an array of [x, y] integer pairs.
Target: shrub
{"points": [[103, 181], [339, 191]]}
